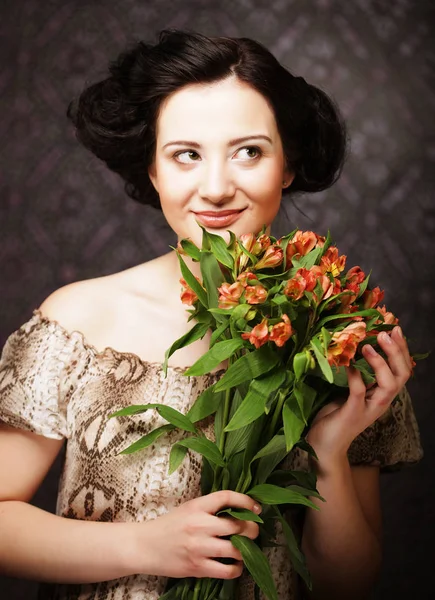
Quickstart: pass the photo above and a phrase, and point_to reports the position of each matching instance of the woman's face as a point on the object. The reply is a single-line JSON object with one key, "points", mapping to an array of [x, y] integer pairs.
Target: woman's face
{"points": [[219, 160]]}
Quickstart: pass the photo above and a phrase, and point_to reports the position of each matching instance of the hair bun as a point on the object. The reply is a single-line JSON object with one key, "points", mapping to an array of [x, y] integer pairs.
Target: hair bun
{"points": [[322, 144]]}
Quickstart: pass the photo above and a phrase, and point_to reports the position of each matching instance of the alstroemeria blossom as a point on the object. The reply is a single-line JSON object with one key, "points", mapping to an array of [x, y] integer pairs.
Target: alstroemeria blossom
{"points": [[245, 276], [344, 344], [255, 294], [247, 240], [331, 262], [301, 243], [259, 334], [271, 258], [187, 296], [372, 298], [304, 281], [230, 294], [281, 332]]}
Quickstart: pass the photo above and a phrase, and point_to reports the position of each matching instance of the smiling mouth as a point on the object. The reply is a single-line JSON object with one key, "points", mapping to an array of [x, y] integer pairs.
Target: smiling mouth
{"points": [[218, 219]]}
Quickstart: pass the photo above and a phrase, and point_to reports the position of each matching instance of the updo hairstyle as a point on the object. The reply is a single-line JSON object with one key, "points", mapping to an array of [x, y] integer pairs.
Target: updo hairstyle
{"points": [[116, 118]]}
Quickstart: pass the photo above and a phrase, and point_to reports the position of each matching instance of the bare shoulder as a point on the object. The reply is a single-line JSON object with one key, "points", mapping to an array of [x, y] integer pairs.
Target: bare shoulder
{"points": [[77, 303], [126, 310]]}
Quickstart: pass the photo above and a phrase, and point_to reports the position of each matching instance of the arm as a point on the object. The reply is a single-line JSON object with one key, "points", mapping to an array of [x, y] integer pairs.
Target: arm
{"points": [[38, 545], [342, 541]]}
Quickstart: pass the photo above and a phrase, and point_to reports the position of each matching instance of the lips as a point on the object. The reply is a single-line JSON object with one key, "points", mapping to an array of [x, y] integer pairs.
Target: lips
{"points": [[218, 219]]}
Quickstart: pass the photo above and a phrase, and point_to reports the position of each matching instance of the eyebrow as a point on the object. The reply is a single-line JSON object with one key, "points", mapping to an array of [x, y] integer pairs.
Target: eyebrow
{"points": [[231, 143]]}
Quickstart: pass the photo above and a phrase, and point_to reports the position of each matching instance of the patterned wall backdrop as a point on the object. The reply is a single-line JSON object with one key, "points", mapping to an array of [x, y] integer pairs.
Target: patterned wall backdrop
{"points": [[64, 217]]}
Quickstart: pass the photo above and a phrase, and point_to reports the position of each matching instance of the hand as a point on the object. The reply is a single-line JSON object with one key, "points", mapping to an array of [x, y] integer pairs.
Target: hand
{"points": [[338, 423], [183, 542]]}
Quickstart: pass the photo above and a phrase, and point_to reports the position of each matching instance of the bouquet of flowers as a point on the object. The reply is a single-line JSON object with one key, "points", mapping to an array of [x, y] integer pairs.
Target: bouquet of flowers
{"points": [[287, 318]]}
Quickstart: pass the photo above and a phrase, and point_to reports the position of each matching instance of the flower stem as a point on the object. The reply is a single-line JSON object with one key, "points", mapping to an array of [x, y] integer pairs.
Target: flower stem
{"points": [[196, 589]]}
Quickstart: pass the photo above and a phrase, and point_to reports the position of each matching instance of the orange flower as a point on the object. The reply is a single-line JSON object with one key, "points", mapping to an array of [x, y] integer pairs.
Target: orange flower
{"points": [[243, 277], [344, 344], [259, 334], [247, 240], [372, 297], [346, 300], [230, 294], [271, 258], [301, 243], [188, 296], [331, 262], [264, 241], [255, 294], [281, 332], [295, 287], [389, 318], [355, 275]]}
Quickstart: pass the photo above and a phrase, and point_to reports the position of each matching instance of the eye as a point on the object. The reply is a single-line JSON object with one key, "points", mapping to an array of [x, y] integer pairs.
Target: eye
{"points": [[251, 152], [186, 153]]}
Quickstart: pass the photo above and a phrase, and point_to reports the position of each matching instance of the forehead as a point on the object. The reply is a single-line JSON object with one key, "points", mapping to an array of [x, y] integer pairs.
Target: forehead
{"points": [[227, 108]]}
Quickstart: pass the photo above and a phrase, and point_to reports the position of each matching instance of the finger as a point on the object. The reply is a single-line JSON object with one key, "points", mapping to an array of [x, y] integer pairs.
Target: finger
{"points": [[397, 335], [217, 570], [235, 526], [215, 501], [387, 385], [397, 360], [357, 390], [222, 549]]}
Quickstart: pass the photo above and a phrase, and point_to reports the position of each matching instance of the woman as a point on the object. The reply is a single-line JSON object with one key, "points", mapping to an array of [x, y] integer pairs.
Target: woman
{"points": [[213, 131]]}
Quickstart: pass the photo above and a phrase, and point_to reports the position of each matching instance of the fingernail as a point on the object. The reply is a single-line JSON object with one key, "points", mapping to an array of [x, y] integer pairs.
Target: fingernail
{"points": [[399, 331], [257, 509], [370, 350], [385, 337]]}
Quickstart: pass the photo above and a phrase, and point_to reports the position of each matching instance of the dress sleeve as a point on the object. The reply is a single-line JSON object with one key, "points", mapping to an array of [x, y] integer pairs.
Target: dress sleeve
{"points": [[392, 441], [38, 374]]}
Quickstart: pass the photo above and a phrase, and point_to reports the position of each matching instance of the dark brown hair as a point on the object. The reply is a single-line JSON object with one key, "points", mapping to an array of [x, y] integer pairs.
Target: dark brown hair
{"points": [[116, 118]]}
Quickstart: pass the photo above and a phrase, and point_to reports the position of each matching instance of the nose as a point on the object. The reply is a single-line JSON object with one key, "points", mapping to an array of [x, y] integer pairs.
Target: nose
{"points": [[216, 184]]}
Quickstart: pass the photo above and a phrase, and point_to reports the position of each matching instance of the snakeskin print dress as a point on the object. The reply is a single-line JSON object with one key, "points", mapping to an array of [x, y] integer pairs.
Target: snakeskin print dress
{"points": [[55, 384]]}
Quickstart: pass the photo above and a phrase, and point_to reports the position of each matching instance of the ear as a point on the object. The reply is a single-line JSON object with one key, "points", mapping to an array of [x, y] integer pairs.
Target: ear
{"points": [[153, 176], [287, 178]]}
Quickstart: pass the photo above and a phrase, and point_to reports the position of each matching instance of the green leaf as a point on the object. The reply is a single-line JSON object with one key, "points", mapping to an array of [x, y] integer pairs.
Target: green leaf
{"points": [[369, 312], [243, 514], [218, 332], [254, 403], [176, 457], [277, 443], [296, 556], [310, 259], [363, 286], [323, 363], [267, 464], [267, 493], [254, 259], [192, 282], [191, 249], [212, 277], [176, 418], [305, 396], [204, 446], [206, 404], [197, 332], [220, 250], [212, 358], [248, 367], [293, 426], [326, 338], [257, 564], [167, 412], [147, 439]]}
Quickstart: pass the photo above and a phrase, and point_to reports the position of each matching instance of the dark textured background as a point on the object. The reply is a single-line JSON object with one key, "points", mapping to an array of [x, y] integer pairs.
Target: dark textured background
{"points": [[63, 217]]}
